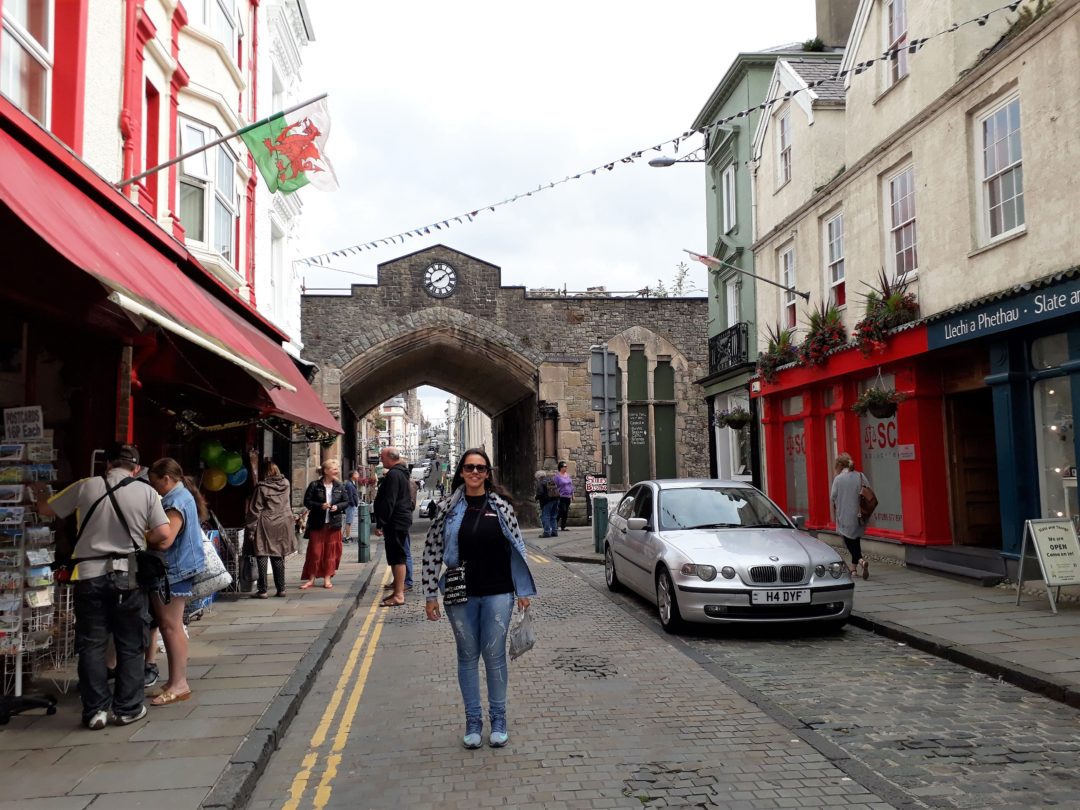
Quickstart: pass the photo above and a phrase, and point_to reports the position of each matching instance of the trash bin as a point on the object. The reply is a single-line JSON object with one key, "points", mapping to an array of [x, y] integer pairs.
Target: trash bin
{"points": [[600, 522], [363, 528]]}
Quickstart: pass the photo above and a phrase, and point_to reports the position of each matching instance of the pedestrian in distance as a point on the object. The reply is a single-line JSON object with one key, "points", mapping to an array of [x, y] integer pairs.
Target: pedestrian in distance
{"points": [[117, 513], [476, 528], [184, 558], [271, 526], [565, 483], [352, 492], [547, 495], [846, 486], [326, 501], [393, 510]]}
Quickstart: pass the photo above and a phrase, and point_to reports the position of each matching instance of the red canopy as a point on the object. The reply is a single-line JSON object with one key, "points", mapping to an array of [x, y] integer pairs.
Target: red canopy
{"points": [[145, 281]]}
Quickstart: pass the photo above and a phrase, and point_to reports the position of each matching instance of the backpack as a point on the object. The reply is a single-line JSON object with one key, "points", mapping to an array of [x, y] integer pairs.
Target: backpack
{"points": [[552, 489], [414, 488], [868, 501]]}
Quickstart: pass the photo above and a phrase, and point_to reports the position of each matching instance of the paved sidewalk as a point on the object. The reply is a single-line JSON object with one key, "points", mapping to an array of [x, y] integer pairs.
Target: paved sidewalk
{"points": [[252, 662], [978, 627]]}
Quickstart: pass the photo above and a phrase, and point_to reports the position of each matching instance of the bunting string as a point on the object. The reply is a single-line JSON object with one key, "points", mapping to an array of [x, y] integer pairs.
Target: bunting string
{"points": [[912, 46]]}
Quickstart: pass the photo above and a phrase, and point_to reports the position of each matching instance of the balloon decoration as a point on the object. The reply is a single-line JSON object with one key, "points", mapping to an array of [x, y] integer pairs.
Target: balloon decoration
{"points": [[231, 462], [211, 452], [238, 478], [214, 479]]}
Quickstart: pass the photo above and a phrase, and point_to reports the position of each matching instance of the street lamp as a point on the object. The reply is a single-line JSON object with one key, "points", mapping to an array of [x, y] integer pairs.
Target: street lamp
{"points": [[663, 161]]}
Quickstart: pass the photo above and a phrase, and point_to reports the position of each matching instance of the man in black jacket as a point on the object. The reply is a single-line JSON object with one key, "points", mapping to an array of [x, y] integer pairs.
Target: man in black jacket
{"points": [[393, 518]]}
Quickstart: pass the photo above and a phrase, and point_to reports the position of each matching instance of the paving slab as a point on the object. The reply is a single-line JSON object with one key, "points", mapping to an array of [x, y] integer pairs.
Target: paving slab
{"points": [[243, 654]]}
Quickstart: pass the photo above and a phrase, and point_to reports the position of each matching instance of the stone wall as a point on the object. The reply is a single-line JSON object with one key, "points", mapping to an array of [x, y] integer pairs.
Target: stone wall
{"points": [[480, 341]]}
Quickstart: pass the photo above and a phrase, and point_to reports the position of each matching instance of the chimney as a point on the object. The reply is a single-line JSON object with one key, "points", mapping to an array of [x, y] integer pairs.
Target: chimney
{"points": [[834, 19]]}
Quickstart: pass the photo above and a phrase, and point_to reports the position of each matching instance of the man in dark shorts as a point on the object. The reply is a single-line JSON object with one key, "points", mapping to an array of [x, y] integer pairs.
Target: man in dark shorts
{"points": [[393, 518]]}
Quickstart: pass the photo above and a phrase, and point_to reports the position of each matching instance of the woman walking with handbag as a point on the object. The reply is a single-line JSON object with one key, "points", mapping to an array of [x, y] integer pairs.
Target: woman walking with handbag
{"points": [[846, 488], [475, 531], [184, 558], [325, 500], [271, 525]]}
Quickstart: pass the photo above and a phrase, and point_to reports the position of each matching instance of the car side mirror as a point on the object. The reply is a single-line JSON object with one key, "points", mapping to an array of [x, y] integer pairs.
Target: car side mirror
{"points": [[636, 524], [799, 521]]}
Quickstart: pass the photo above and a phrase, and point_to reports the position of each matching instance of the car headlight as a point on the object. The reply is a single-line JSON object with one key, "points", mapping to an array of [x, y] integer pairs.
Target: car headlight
{"points": [[727, 572], [820, 571], [837, 569], [705, 572]]}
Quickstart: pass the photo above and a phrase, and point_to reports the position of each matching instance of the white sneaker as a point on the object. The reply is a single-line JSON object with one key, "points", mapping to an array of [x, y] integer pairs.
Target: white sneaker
{"points": [[127, 719], [98, 720]]}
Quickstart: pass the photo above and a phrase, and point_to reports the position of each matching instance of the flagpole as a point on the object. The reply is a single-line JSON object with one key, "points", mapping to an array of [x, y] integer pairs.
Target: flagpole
{"points": [[804, 295], [220, 140]]}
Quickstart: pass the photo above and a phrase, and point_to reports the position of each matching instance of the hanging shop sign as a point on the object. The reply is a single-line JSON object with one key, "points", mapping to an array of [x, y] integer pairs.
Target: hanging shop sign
{"points": [[1058, 552], [1001, 316], [595, 483]]}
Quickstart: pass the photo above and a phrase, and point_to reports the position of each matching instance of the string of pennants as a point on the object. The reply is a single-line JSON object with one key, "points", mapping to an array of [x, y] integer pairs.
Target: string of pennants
{"points": [[912, 46]]}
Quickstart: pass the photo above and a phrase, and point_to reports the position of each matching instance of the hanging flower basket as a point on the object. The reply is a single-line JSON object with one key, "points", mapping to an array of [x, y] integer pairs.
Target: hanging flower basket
{"points": [[878, 402], [735, 418]]}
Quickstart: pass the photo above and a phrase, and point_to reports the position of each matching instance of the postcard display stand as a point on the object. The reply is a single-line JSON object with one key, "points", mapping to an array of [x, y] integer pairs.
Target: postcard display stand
{"points": [[27, 610]]}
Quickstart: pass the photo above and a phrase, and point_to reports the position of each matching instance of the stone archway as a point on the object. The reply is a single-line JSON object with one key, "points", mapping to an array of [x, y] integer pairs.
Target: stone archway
{"points": [[466, 356]]}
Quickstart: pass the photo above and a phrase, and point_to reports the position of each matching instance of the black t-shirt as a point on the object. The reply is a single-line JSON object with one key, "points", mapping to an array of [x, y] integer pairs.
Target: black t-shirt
{"points": [[484, 550]]}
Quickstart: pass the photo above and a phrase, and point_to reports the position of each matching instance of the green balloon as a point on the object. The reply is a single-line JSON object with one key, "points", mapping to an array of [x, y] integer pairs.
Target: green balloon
{"points": [[211, 451], [231, 462]]}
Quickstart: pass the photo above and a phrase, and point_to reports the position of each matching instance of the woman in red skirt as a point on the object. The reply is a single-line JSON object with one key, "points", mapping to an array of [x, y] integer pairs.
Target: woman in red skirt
{"points": [[326, 501]]}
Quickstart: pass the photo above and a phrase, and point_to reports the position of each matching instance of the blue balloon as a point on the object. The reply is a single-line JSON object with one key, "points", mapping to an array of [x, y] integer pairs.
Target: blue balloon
{"points": [[239, 477]]}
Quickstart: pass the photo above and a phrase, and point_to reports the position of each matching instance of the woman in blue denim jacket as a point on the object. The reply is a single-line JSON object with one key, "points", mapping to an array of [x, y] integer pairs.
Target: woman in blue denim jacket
{"points": [[476, 527], [184, 559]]}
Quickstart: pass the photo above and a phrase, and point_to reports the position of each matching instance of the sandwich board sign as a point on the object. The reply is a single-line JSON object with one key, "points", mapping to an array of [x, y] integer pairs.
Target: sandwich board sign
{"points": [[1058, 552]]}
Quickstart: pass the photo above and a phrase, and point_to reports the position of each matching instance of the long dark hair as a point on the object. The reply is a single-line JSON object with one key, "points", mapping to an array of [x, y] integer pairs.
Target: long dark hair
{"points": [[171, 467], [489, 481]]}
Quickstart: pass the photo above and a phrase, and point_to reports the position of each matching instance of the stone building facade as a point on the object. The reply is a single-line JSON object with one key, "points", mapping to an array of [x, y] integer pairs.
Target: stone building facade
{"points": [[440, 317]]}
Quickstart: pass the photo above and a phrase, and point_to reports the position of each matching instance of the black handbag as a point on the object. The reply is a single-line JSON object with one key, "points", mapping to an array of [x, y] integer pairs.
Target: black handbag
{"points": [[454, 592]]}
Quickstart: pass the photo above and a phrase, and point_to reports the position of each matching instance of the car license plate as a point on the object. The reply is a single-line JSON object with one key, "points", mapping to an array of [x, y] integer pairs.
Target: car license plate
{"points": [[784, 597]]}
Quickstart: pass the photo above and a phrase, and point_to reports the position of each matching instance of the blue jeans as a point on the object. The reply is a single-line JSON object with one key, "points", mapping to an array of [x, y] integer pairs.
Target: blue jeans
{"points": [[549, 517], [480, 627], [105, 607], [408, 560]]}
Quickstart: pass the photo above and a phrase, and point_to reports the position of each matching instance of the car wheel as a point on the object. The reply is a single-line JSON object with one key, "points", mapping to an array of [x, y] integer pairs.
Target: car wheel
{"points": [[610, 577], [667, 604]]}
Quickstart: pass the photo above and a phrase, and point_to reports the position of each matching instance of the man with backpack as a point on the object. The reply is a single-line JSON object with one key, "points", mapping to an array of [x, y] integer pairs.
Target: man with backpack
{"points": [[118, 514], [352, 496], [547, 494]]}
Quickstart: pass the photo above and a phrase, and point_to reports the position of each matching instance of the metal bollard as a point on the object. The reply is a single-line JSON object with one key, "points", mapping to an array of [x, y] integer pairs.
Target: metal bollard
{"points": [[363, 541], [600, 522]]}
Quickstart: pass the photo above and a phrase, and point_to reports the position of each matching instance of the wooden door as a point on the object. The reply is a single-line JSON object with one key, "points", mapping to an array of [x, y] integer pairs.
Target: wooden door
{"points": [[973, 459]]}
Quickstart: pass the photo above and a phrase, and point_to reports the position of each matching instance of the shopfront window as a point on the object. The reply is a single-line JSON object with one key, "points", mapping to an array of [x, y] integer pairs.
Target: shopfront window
{"points": [[1054, 435], [1049, 352], [738, 440], [798, 501], [881, 463]]}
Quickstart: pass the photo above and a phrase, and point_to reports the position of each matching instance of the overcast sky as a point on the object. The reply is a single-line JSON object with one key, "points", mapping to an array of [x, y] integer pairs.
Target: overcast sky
{"points": [[441, 108]]}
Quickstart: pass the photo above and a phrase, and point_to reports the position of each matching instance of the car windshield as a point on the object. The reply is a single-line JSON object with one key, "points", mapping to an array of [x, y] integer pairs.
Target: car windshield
{"points": [[718, 508]]}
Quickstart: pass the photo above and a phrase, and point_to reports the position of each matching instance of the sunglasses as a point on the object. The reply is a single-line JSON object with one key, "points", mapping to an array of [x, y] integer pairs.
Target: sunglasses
{"points": [[480, 468]]}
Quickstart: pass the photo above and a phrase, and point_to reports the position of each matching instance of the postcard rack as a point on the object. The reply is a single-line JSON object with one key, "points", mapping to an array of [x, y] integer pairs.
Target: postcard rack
{"points": [[26, 581]]}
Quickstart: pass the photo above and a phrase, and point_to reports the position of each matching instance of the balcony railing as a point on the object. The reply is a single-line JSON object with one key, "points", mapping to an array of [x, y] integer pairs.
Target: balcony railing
{"points": [[729, 349]]}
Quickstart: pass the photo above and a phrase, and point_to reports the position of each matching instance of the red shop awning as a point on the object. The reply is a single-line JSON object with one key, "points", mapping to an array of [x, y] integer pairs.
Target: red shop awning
{"points": [[144, 281]]}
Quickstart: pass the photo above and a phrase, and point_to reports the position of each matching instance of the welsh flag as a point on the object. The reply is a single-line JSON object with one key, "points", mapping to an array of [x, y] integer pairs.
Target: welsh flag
{"points": [[290, 149]]}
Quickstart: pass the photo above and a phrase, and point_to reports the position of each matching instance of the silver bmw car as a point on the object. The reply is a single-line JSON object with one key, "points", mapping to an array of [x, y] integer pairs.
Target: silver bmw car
{"points": [[720, 551]]}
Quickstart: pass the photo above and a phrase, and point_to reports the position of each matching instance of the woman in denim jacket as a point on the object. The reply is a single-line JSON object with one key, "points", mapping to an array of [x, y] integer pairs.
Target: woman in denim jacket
{"points": [[476, 527], [184, 559]]}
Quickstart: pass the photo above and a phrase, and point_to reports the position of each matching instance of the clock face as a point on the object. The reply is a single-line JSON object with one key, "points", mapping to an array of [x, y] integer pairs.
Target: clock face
{"points": [[440, 280]]}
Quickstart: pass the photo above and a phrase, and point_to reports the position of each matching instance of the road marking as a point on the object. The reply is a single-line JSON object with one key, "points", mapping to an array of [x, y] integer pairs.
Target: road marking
{"points": [[536, 558], [300, 781], [322, 793]]}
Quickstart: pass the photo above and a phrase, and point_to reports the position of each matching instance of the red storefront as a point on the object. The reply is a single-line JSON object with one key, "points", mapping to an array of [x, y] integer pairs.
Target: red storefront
{"points": [[117, 332], [807, 420]]}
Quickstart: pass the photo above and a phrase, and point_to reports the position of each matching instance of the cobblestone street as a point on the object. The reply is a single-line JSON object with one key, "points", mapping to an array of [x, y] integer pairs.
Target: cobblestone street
{"points": [[603, 713], [943, 734]]}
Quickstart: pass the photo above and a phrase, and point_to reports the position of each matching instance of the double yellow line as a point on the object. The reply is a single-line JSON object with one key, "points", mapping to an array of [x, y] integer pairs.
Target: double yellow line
{"points": [[371, 630]]}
